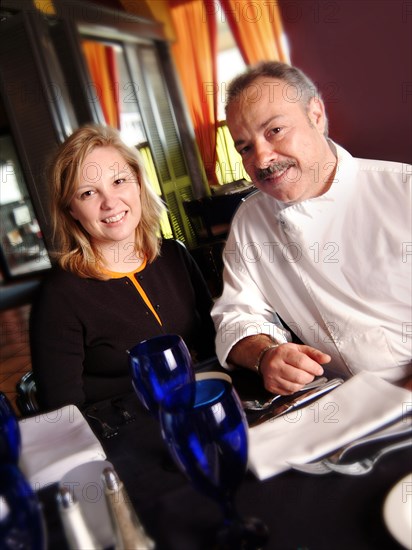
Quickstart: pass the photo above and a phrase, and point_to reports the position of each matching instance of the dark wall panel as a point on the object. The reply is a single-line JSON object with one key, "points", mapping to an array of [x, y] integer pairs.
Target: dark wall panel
{"points": [[359, 52]]}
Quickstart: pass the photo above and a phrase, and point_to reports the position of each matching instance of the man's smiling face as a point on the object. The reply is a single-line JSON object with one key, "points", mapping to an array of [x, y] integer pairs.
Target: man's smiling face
{"points": [[281, 141]]}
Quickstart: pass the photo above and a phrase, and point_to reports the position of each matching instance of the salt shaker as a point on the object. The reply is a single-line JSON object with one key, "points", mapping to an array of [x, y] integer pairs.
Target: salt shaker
{"points": [[78, 534], [130, 533]]}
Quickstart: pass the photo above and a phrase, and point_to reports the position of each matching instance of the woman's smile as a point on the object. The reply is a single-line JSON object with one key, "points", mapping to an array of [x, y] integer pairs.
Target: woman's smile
{"points": [[115, 219], [107, 203]]}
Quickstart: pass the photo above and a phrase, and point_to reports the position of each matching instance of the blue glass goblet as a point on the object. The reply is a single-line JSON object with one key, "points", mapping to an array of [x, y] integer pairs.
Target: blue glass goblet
{"points": [[209, 444], [21, 519], [10, 439], [158, 366]]}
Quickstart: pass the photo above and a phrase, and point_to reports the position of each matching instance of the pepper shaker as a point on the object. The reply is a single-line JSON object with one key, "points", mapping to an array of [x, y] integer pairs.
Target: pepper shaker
{"points": [[130, 533]]}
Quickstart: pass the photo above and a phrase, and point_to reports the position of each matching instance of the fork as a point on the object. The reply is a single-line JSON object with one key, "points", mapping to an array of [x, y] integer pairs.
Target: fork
{"points": [[323, 466], [124, 413], [107, 430], [366, 465]]}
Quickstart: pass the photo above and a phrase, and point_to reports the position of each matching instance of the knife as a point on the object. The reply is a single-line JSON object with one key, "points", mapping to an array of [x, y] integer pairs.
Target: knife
{"points": [[307, 397]]}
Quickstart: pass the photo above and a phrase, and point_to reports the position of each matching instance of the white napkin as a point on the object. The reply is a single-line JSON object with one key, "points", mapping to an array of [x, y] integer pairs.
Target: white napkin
{"points": [[360, 405], [55, 442]]}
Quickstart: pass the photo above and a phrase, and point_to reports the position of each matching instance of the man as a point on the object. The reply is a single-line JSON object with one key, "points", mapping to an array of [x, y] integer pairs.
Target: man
{"points": [[325, 244]]}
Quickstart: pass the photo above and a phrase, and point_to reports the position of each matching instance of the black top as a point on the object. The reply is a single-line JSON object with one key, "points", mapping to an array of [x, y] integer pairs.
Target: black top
{"points": [[81, 328]]}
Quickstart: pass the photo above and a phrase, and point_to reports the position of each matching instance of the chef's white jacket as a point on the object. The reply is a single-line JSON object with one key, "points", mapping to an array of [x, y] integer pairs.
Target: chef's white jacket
{"points": [[336, 269]]}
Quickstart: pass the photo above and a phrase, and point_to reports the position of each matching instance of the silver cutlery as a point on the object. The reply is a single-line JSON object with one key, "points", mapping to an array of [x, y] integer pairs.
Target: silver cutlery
{"points": [[365, 465], [256, 405], [107, 431], [323, 466], [306, 397], [124, 413]]}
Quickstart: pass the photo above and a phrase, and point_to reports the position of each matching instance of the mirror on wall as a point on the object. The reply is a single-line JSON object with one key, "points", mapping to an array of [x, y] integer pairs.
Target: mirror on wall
{"points": [[23, 249]]}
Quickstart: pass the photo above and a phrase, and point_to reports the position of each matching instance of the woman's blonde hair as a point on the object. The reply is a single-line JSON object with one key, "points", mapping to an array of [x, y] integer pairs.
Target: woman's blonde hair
{"points": [[75, 251]]}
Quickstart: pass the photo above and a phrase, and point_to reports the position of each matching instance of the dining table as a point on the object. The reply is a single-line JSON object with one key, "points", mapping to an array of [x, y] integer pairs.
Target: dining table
{"points": [[301, 511]]}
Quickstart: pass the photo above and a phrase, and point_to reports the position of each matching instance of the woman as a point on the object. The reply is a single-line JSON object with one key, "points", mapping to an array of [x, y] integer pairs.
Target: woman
{"points": [[116, 282]]}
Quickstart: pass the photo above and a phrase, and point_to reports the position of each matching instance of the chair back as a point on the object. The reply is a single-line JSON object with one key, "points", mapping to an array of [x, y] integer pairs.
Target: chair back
{"points": [[26, 400]]}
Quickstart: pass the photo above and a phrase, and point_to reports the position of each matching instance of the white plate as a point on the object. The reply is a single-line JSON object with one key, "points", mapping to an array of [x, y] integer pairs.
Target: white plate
{"points": [[213, 374], [85, 482], [397, 511]]}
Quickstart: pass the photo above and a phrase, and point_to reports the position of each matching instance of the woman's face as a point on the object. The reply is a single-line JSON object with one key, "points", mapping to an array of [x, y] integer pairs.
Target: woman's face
{"points": [[107, 200]]}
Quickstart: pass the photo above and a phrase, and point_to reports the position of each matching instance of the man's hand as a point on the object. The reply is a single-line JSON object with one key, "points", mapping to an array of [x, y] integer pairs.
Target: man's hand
{"points": [[285, 369], [288, 367]]}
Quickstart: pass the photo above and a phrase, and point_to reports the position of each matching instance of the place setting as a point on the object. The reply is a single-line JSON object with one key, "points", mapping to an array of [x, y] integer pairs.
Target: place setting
{"points": [[318, 440], [386, 440], [222, 433], [354, 409], [327, 416]]}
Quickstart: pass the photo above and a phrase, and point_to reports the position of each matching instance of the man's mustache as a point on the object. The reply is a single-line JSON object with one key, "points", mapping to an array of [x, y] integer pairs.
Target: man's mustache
{"points": [[263, 173]]}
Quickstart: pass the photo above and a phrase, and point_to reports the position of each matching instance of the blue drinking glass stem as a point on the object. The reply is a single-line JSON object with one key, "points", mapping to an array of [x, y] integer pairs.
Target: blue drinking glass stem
{"points": [[22, 526], [230, 513], [10, 437]]}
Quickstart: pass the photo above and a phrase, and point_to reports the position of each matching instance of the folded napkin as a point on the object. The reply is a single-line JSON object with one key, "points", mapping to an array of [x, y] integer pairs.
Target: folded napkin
{"points": [[359, 406], [55, 442]]}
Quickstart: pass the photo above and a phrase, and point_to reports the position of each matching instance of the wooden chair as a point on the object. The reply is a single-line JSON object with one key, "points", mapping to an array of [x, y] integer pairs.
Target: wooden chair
{"points": [[211, 216], [26, 400], [209, 258]]}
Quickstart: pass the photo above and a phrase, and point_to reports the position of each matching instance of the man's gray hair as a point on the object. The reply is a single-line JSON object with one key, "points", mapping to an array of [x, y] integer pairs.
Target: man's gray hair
{"points": [[301, 87]]}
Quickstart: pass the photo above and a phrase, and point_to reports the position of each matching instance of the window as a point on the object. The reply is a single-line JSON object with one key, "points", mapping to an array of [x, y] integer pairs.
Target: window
{"points": [[117, 95], [229, 62], [229, 165], [22, 248]]}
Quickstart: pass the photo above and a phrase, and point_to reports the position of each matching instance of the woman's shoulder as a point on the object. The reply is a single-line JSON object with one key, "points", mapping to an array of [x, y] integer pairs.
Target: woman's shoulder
{"points": [[59, 282], [172, 248], [174, 256], [57, 276], [172, 244]]}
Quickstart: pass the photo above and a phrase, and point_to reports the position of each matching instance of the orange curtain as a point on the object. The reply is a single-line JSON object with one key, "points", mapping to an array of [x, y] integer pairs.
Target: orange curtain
{"points": [[257, 29], [195, 53], [101, 61]]}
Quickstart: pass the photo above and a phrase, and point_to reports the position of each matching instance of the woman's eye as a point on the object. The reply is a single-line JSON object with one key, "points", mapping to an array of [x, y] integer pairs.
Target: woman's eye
{"points": [[119, 181], [87, 194], [275, 130]]}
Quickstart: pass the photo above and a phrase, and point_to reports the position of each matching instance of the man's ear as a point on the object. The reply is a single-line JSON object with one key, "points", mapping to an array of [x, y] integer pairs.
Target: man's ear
{"points": [[317, 114]]}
